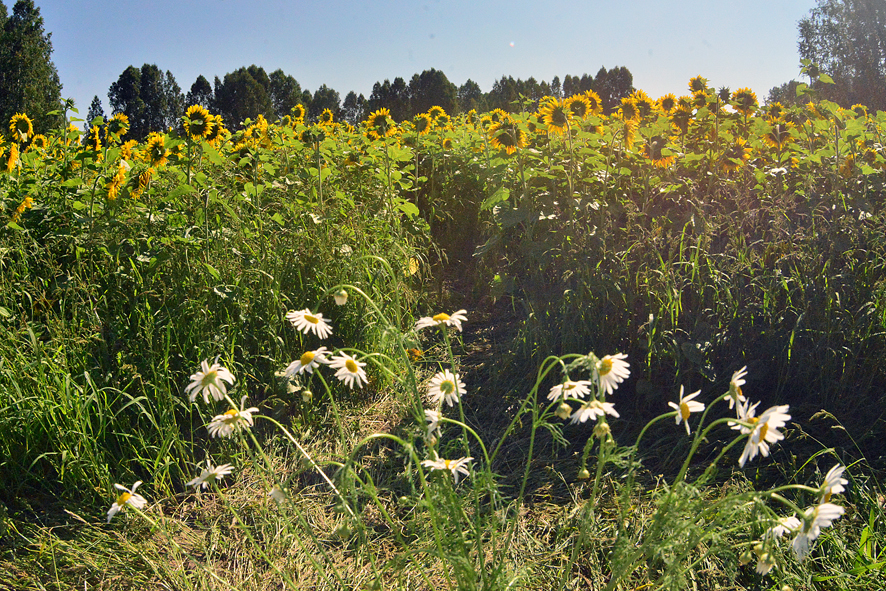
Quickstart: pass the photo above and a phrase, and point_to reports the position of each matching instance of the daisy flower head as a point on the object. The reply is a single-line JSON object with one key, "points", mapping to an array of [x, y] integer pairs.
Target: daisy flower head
{"points": [[307, 362], [224, 425], [433, 418], [814, 519], [764, 432], [350, 370], [127, 496], [735, 384], [443, 319], [210, 474], [833, 483], [570, 389], [209, 381], [782, 526], [745, 413], [456, 467], [610, 371], [686, 405], [446, 386], [593, 409], [308, 322]]}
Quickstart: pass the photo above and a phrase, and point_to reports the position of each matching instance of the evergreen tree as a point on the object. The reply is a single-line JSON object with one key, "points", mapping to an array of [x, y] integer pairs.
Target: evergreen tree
{"points": [[285, 92], [556, 90], [200, 94], [125, 97], [354, 108], [243, 95], [175, 102], [429, 89], [95, 110], [470, 97], [324, 98], [29, 82]]}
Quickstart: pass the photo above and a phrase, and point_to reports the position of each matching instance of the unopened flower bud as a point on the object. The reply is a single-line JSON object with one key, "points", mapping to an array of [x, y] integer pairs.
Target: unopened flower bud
{"points": [[745, 557], [583, 474], [564, 411], [307, 396], [602, 430], [341, 297]]}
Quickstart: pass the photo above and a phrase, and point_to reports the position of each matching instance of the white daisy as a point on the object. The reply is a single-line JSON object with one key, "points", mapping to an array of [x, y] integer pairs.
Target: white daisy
{"points": [[591, 410], [307, 362], [446, 386], [782, 526], [685, 406], [814, 518], [459, 466], [234, 419], [570, 389], [443, 319], [833, 483], [764, 432], [210, 474], [349, 370], [745, 413], [735, 384], [433, 418], [308, 322], [610, 371], [209, 381], [126, 497]]}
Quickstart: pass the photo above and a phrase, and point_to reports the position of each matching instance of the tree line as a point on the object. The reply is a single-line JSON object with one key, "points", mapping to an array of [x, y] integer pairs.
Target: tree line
{"points": [[152, 100]]}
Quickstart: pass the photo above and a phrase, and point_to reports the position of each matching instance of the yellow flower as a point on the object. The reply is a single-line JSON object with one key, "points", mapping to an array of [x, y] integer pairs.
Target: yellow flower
{"points": [[39, 142], [642, 102], [629, 111], [216, 133], [326, 117], [698, 84], [596, 105], [507, 135], [25, 205], [298, 113], [13, 158], [422, 123], [126, 149], [380, 123], [156, 153], [735, 155], [116, 183], [779, 135], [652, 149], [436, 112], [117, 127], [93, 140], [556, 115], [667, 103], [21, 127], [745, 101], [198, 123], [579, 105]]}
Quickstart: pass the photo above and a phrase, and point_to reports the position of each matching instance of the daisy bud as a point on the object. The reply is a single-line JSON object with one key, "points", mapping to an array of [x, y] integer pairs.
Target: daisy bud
{"points": [[564, 411], [341, 297], [602, 430], [745, 557], [306, 396], [583, 474]]}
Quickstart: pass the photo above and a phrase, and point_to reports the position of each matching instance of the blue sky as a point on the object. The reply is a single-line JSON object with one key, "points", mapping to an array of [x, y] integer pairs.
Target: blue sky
{"points": [[350, 45]]}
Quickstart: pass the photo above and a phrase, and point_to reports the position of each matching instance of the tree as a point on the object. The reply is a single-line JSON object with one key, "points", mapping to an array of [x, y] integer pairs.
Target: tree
{"points": [[847, 40], [200, 94], [29, 82], [429, 89], [786, 94], [353, 110], [324, 98], [285, 92], [152, 92], [243, 95], [470, 97], [95, 110], [125, 97], [175, 101], [556, 90], [612, 86], [150, 99]]}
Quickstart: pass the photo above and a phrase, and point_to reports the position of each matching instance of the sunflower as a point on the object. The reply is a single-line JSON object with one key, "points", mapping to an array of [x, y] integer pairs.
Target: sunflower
{"points": [[774, 110], [298, 113], [698, 84], [643, 103], [735, 155], [442, 121], [326, 117], [198, 122], [495, 115], [700, 99], [93, 140], [142, 183], [13, 158], [579, 105], [629, 111], [744, 100], [653, 150], [595, 102], [216, 132], [779, 135], [117, 127], [25, 205], [667, 103], [447, 144], [380, 124], [39, 142], [116, 183], [21, 127], [156, 153], [507, 135], [422, 123], [436, 112], [681, 117], [859, 110], [556, 115], [126, 149], [471, 117]]}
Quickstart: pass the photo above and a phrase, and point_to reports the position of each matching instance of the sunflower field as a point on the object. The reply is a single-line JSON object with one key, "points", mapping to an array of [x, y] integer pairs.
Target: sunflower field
{"points": [[541, 349]]}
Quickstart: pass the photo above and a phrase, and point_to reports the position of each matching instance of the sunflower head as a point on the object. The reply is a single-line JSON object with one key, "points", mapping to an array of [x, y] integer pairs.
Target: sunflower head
{"points": [[556, 115], [326, 117], [779, 135], [644, 104], [380, 123], [744, 100], [654, 149], [422, 123], [496, 115], [680, 117], [698, 84], [594, 102], [859, 110], [443, 121], [93, 139], [217, 132], [667, 103], [471, 117], [198, 122], [507, 135], [579, 105], [735, 155], [156, 154], [629, 111], [436, 112], [20, 127], [39, 142], [774, 110], [447, 144]]}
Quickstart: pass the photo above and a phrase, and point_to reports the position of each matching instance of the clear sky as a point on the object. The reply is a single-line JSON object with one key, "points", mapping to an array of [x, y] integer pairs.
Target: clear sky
{"points": [[350, 45]]}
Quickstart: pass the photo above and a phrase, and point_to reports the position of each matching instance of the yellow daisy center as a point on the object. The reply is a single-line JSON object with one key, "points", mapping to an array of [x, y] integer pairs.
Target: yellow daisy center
{"points": [[312, 319], [684, 410], [209, 378], [447, 387], [604, 367], [448, 464], [231, 413], [569, 386], [123, 498], [307, 358], [351, 365], [763, 430], [827, 496], [442, 317]]}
